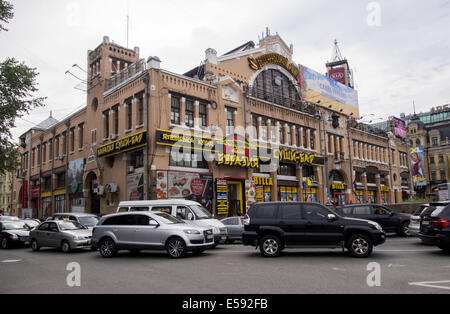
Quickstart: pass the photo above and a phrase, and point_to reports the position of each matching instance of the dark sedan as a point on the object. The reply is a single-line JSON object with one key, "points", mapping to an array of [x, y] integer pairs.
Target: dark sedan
{"points": [[235, 228], [389, 220], [13, 233], [435, 227]]}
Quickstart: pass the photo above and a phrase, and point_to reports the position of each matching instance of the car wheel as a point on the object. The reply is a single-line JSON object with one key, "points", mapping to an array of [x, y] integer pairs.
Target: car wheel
{"points": [[360, 245], [34, 245], [107, 248], [176, 248], [270, 246], [65, 246], [5, 243], [404, 230]]}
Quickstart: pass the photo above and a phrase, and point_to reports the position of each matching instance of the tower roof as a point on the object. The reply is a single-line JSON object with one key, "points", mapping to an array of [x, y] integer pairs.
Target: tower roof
{"points": [[47, 123]]}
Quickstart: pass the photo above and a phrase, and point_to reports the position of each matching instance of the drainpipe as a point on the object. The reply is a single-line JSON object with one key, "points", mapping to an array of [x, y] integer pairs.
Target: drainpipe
{"points": [[67, 161], [146, 80], [52, 171]]}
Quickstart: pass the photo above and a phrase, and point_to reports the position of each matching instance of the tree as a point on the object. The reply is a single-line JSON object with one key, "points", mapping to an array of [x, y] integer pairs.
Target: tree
{"points": [[17, 85]]}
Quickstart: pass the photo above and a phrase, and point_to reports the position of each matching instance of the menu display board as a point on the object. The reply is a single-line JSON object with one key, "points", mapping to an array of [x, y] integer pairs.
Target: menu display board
{"points": [[188, 185], [221, 197]]}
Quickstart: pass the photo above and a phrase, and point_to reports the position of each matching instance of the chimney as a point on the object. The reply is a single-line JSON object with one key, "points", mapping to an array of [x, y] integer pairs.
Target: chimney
{"points": [[136, 50], [211, 55], [153, 63], [105, 39]]}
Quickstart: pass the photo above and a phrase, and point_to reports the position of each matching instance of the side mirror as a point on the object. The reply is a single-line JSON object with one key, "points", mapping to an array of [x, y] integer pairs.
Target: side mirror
{"points": [[331, 217], [153, 223]]}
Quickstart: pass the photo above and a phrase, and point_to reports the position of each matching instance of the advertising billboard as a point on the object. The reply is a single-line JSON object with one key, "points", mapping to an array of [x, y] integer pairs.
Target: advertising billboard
{"points": [[417, 166], [325, 91], [75, 176], [399, 127], [337, 74]]}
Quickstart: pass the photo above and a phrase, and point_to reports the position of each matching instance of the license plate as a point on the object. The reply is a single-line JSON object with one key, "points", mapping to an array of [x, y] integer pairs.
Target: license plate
{"points": [[209, 237], [425, 223]]}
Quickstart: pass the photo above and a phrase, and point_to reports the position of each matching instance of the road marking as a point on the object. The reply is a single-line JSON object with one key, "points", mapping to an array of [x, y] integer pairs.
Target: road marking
{"points": [[396, 250], [395, 265], [11, 260], [431, 284]]}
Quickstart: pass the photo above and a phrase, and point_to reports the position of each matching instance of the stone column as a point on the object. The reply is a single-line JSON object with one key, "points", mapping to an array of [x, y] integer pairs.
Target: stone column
{"points": [[331, 143], [294, 136], [196, 114], [378, 182], [300, 134], [308, 138], [285, 131], [321, 185], [274, 187], [269, 130]]}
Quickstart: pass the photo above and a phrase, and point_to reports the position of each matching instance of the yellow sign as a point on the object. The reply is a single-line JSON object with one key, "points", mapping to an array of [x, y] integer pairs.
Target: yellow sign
{"points": [[122, 145], [338, 186], [263, 180], [384, 189], [273, 58]]}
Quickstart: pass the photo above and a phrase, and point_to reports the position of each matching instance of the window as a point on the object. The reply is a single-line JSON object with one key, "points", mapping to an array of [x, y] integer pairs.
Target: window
{"points": [[175, 110], [230, 120], [286, 169], [115, 111], [265, 211], [291, 211], [432, 160], [281, 133], [142, 220], [305, 138], [441, 159], [60, 203], [44, 152], [129, 105], [72, 139], [184, 213], [137, 159], [140, 101], [61, 180], [80, 135], [312, 141], [164, 209], [106, 124], [289, 135], [139, 209], [315, 212], [123, 209], [189, 116], [254, 127], [234, 221], [193, 159], [378, 210], [202, 114], [434, 140], [442, 175], [362, 210]]}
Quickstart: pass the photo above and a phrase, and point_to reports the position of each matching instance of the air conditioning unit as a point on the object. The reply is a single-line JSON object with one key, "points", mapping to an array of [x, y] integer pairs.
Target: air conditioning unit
{"points": [[111, 188], [99, 190]]}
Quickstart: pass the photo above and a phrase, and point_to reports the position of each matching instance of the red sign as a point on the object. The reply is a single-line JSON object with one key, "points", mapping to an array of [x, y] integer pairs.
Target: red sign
{"points": [[34, 192], [24, 193], [337, 74], [197, 186]]}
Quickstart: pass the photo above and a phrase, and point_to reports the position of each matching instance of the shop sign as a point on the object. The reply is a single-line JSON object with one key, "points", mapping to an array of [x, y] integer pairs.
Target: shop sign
{"points": [[221, 197], [298, 158], [127, 143], [338, 186], [35, 192], [384, 189], [263, 181], [273, 58], [236, 160]]}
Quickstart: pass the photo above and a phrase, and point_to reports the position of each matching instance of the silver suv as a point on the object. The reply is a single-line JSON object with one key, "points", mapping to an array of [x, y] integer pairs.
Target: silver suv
{"points": [[135, 231]]}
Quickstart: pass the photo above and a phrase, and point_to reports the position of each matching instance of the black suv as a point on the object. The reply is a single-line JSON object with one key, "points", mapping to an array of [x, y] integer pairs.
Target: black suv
{"points": [[278, 225], [435, 227], [389, 220]]}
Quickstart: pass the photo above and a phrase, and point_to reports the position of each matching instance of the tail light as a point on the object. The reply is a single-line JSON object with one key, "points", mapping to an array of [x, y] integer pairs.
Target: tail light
{"points": [[246, 220], [441, 223], [93, 230]]}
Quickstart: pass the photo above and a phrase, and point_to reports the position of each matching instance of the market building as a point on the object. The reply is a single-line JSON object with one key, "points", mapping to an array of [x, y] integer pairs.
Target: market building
{"points": [[246, 126]]}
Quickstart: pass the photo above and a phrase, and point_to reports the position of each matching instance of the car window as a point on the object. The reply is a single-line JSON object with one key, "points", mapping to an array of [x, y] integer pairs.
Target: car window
{"points": [[168, 219], [164, 209], [70, 225], [347, 210], [122, 220], [291, 211], [181, 212], [437, 211], [52, 227], [378, 210], [88, 221], [138, 209], [266, 211], [142, 220], [123, 209], [315, 212], [73, 218], [362, 210], [43, 227]]}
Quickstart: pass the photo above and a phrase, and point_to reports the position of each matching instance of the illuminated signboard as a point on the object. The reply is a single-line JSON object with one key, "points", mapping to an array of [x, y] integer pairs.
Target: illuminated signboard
{"points": [[124, 144]]}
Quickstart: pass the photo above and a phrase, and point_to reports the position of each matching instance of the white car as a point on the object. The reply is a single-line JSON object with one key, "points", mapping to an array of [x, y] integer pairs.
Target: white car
{"points": [[189, 211], [416, 218]]}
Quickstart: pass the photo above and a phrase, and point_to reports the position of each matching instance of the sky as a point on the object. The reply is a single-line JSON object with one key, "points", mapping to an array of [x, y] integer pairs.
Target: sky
{"points": [[398, 50]]}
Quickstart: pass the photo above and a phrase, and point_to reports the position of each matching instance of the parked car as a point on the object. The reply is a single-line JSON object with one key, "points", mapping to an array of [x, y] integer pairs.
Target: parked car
{"points": [[61, 234], [87, 220], [389, 220], [135, 231], [9, 218], [278, 225], [188, 211], [434, 226], [32, 223], [414, 224], [13, 233], [235, 228]]}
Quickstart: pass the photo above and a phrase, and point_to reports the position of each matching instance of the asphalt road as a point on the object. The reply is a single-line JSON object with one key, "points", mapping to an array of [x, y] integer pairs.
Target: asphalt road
{"points": [[406, 266]]}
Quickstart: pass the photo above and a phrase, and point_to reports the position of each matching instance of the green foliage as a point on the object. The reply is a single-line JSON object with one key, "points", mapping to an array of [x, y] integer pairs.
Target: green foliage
{"points": [[6, 13], [17, 85]]}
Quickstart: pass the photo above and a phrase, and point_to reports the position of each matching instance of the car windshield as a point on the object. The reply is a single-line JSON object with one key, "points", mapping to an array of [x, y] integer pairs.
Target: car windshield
{"points": [[88, 221], [200, 212], [15, 226], [70, 225], [430, 209], [168, 219], [437, 211]]}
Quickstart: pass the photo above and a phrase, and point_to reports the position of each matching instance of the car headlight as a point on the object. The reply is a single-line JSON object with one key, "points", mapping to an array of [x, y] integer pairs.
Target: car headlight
{"points": [[77, 237], [191, 231], [376, 225], [13, 236]]}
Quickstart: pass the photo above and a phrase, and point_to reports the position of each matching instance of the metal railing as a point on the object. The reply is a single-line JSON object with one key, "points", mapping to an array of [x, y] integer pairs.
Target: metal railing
{"points": [[135, 68]]}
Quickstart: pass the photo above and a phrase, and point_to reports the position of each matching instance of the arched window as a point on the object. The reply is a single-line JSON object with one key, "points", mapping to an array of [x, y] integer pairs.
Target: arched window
{"points": [[274, 86]]}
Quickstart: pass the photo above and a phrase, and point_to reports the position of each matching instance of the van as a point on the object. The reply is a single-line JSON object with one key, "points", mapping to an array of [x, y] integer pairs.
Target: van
{"points": [[189, 211]]}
